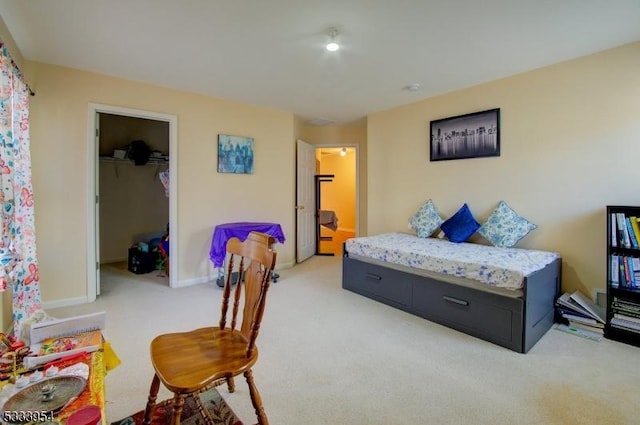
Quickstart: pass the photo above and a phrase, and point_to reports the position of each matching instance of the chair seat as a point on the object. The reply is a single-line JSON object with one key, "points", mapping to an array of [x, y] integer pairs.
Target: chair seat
{"points": [[187, 361]]}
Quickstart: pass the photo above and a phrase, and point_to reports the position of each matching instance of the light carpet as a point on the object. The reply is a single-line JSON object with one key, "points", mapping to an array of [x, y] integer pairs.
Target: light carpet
{"points": [[329, 356]]}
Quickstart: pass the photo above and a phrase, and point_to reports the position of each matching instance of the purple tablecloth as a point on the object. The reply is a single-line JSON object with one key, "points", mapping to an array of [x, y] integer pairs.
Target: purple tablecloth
{"points": [[223, 232]]}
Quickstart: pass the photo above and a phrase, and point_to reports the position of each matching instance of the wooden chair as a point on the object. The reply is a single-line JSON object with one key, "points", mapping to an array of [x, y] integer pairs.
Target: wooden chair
{"points": [[188, 363]]}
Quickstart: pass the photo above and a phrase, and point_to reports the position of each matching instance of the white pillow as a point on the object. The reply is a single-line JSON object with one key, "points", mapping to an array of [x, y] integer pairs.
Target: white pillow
{"points": [[426, 220], [504, 227]]}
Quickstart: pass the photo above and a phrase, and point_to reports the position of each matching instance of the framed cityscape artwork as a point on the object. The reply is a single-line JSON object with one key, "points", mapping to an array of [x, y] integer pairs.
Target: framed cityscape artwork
{"points": [[466, 136]]}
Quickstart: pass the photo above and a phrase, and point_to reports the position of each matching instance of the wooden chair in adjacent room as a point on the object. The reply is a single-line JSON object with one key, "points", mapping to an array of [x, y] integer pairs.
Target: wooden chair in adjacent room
{"points": [[187, 363]]}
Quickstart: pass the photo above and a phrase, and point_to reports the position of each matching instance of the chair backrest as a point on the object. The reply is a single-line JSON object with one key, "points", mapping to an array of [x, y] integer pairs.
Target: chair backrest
{"points": [[249, 266]]}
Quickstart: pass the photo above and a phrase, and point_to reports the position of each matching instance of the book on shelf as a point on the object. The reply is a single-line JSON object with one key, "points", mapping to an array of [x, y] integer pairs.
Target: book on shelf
{"points": [[53, 339], [632, 235], [627, 303], [623, 233], [614, 231], [625, 307], [635, 262], [627, 325], [581, 304], [614, 272], [627, 317], [635, 227], [629, 275], [632, 273]]}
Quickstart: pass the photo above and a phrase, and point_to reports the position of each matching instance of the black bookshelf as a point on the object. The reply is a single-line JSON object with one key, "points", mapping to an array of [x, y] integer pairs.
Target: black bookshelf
{"points": [[623, 280]]}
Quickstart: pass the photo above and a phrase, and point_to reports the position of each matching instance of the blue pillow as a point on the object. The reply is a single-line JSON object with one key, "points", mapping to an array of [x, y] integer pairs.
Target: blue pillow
{"points": [[426, 220], [461, 226], [504, 227]]}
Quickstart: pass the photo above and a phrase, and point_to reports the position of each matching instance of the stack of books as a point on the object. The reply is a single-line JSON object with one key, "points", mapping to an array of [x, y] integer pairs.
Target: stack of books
{"points": [[626, 315], [578, 315]]}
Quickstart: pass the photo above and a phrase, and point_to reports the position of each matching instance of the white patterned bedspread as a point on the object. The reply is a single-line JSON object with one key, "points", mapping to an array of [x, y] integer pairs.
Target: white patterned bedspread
{"points": [[498, 267]]}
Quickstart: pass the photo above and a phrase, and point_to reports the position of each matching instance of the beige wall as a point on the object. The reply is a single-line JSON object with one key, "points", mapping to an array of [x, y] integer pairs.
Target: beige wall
{"points": [[570, 143], [132, 203], [7, 38], [205, 198]]}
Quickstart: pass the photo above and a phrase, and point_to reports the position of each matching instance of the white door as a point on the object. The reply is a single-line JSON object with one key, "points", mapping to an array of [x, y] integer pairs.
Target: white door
{"points": [[305, 201], [96, 170]]}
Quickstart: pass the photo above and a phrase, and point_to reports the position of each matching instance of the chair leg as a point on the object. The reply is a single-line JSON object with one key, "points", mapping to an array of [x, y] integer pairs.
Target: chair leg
{"points": [[178, 402], [255, 399], [231, 385], [151, 402], [203, 411]]}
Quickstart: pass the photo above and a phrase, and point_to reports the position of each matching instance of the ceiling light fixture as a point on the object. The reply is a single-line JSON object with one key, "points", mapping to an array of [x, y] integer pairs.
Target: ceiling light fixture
{"points": [[343, 152], [332, 45], [413, 87]]}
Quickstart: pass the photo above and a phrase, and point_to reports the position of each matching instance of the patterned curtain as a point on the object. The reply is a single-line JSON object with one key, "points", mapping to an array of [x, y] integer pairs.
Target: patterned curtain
{"points": [[18, 265]]}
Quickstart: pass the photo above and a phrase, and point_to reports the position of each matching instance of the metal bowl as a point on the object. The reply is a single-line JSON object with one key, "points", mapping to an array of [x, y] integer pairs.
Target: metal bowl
{"points": [[47, 395]]}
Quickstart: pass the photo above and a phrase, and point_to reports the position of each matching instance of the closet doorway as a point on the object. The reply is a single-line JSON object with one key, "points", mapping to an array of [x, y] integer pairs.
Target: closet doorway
{"points": [[338, 197], [130, 201]]}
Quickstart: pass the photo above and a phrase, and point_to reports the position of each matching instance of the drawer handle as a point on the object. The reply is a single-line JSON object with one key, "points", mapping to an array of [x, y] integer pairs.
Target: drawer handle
{"points": [[455, 300], [373, 276]]}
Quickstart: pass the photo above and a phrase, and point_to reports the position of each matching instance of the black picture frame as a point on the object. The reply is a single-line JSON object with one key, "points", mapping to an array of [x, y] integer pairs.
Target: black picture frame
{"points": [[474, 135]]}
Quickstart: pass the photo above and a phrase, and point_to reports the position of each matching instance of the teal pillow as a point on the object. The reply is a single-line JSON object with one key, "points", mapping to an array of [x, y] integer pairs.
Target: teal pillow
{"points": [[461, 226], [426, 220], [504, 227]]}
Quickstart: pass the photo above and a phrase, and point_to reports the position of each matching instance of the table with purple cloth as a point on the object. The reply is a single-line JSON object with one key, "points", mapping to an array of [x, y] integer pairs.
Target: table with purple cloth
{"points": [[223, 232]]}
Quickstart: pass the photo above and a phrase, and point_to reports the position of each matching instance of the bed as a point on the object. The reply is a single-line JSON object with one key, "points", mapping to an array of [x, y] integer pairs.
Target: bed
{"points": [[502, 295]]}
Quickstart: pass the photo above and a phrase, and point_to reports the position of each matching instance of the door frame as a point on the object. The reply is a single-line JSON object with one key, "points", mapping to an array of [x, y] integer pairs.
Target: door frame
{"points": [[94, 109], [356, 147]]}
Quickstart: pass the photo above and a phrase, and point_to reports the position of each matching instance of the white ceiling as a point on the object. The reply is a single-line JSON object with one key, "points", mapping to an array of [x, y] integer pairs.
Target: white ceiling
{"points": [[270, 52]]}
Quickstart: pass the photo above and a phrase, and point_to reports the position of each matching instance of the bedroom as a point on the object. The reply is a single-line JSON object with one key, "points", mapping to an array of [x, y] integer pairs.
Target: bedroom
{"points": [[564, 127], [570, 139]]}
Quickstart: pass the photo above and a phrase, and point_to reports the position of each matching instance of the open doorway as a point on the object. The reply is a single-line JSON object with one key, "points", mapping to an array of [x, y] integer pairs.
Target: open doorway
{"points": [[133, 167], [337, 197], [115, 179]]}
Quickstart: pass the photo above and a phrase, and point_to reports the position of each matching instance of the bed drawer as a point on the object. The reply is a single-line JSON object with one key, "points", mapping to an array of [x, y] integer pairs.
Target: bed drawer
{"points": [[489, 316], [380, 283]]}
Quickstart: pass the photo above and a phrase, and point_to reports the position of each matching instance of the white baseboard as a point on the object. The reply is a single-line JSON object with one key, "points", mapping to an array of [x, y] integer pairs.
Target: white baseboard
{"points": [[191, 282], [214, 276], [65, 302], [68, 302]]}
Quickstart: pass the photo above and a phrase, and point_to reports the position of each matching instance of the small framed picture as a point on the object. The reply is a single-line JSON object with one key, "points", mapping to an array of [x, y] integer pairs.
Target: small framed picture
{"points": [[235, 154], [466, 136]]}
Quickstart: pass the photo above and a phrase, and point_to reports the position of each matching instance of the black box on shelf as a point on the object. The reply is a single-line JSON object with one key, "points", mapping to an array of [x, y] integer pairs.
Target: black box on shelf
{"points": [[141, 262]]}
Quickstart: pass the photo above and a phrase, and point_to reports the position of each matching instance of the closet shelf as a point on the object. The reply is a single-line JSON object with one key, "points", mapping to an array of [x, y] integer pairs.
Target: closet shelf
{"points": [[152, 161]]}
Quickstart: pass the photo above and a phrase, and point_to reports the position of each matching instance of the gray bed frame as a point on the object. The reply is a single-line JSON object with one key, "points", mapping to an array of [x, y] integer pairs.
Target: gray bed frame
{"points": [[514, 323]]}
